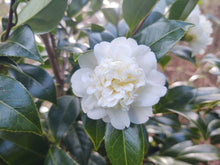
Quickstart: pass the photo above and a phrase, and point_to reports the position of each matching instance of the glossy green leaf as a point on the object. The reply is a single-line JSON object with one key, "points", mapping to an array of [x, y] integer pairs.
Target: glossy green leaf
{"points": [[96, 159], [111, 15], [96, 4], [125, 146], [4, 23], [163, 61], [42, 15], [63, 115], [95, 37], [175, 149], [211, 58], [57, 156], [206, 95], [95, 129], [97, 28], [75, 6], [153, 17], [136, 11], [146, 139], [214, 131], [178, 97], [122, 28], [184, 53], [28, 141], [166, 160], [21, 43], [77, 142], [18, 111], [38, 82], [199, 153], [7, 61], [181, 9], [162, 36], [14, 154]]}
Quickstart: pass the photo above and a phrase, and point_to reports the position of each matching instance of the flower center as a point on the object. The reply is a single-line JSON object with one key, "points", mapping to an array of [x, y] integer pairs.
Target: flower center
{"points": [[116, 82]]}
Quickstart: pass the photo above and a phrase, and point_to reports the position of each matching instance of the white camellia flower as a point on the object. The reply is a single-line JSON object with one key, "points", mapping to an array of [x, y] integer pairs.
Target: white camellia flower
{"points": [[199, 36], [119, 83]]}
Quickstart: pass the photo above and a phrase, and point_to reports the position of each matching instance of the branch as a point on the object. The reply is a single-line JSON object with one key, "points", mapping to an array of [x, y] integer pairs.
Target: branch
{"points": [[10, 24], [53, 59]]}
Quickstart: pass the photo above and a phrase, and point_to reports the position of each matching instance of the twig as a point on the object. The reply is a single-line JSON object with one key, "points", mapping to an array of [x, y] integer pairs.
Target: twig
{"points": [[53, 59], [10, 24]]}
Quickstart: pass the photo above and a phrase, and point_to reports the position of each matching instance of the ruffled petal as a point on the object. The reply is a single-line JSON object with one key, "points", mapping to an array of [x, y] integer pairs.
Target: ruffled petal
{"points": [[101, 50], [149, 95], [88, 103], [80, 81], [156, 77], [119, 119], [96, 113], [139, 115], [87, 60], [146, 59], [106, 119]]}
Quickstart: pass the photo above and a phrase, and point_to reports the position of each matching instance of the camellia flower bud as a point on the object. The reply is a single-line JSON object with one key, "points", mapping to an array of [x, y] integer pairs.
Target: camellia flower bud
{"points": [[119, 83], [199, 36]]}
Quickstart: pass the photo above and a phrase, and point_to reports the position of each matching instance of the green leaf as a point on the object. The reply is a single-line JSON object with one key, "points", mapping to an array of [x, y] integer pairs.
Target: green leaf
{"points": [[28, 141], [95, 37], [162, 36], [96, 159], [95, 129], [21, 43], [181, 9], [166, 160], [214, 131], [75, 6], [42, 16], [178, 97], [199, 153], [96, 5], [14, 154], [206, 95], [57, 156], [136, 11], [211, 58], [77, 142], [97, 28], [184, 53], [163, 61], [18, 111], [63, 115], [175, 149], [111, 15], [7, 61], [36, 80], [125, 146]]}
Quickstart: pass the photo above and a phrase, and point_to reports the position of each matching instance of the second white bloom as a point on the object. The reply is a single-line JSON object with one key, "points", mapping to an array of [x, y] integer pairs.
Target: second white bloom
{"points": [[199, 36], [120, 83]]}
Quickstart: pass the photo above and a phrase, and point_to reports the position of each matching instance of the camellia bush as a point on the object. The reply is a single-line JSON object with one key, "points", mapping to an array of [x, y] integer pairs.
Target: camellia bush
{"points": [[82, 82]]}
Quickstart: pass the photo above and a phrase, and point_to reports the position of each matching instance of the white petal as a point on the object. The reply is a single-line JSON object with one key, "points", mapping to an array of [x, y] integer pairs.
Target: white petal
{"points": [[139, 115], [89, 103], [87, 60], [156, 77], [106, 119], [121, 51], [101, 50], [146, 59], [80, 81], [96, 113], [119, 119], [149, 95]]}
